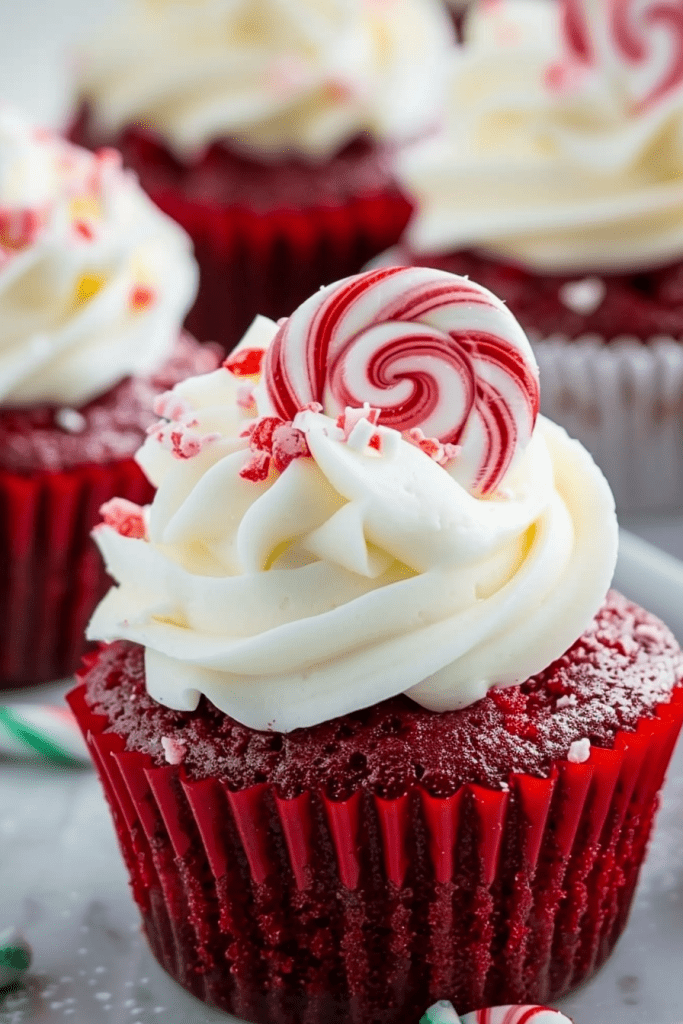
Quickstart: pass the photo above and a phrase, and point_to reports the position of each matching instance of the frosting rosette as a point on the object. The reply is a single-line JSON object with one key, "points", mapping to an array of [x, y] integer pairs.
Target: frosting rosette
{"points": [[563, 143], [277, 77], [94, 279], [360, 502]]}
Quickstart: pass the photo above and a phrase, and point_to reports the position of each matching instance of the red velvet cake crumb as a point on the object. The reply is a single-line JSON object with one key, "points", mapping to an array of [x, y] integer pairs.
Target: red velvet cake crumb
{"points": [[623, 666]]}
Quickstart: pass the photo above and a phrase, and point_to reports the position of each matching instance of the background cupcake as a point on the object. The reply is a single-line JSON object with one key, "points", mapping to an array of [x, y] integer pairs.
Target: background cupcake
{"points": [[94, 282], [315, 774], [559, 184], [267, 131]]}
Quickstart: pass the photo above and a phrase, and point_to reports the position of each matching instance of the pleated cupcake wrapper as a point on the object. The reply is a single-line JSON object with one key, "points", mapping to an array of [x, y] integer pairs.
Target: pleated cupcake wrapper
{"points": [[269, 263], [51, 574], [482, 897], [624, 402]]}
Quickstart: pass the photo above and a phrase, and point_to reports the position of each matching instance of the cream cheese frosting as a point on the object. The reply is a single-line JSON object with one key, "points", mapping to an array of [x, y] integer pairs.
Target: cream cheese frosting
{"points": [[563, 144], [295, 570], [277, 77], [94, 280]]}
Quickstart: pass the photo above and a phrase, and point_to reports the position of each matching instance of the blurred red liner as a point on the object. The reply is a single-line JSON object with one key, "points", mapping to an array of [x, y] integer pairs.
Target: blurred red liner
{"points": [[51, 574]]}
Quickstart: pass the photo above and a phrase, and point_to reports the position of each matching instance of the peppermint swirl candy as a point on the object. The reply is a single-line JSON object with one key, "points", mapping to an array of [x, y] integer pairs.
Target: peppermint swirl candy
{"points": [[641, 41], [444, 1013], [428, 349]]}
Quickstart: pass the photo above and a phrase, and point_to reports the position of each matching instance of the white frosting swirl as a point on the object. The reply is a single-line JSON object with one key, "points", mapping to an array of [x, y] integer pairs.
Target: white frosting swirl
{"points": [[94, 280], [278, 76], [352, 575], [557, 175]]}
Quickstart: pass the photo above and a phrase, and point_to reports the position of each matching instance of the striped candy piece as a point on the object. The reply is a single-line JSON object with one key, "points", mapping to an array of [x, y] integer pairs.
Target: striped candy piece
{"points": [[43, 733], [639, 43], [430, 350], [15, 957], [444, 1013]]}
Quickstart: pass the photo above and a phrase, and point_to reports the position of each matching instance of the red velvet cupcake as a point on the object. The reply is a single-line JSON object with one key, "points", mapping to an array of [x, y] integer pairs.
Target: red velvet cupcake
{"points": [[557, 184], [371, 734], [269, 135], [94, 282]]}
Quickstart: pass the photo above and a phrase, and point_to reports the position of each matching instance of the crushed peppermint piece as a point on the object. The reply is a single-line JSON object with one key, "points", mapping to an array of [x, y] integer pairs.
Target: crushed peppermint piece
{"points": [[567, 700], [19, 228], [83, 230], [141, 297], [583, 296], [127, 518], [174, 750], [272, 438], [351, 417], [246, 362], [288, 443], [360, 435], [257, 468], [70, 420], [245, 397], [431, 446], [170, 406], [261, 433], [579, 751], [180, 439]]}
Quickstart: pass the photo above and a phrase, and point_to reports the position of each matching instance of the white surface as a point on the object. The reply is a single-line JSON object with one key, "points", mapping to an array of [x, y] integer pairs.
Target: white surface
{"points": [[63, 883]]}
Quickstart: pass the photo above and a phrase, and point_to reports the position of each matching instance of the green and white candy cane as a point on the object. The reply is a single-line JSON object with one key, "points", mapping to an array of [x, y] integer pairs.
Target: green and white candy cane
{"points": [[15, 957], [42, 733]]}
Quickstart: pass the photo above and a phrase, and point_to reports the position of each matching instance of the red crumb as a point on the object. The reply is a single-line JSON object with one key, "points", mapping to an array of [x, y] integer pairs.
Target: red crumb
{"points": [[246, 362], [125, 517]]}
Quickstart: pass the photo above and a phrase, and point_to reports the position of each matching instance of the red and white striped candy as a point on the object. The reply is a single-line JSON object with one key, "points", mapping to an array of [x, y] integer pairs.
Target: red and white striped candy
{"points": [[641, 41], [426, 348], [515, 1015]]}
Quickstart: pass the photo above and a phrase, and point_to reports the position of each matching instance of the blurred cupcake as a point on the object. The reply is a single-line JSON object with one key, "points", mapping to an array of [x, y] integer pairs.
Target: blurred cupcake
{"points": [[558, 183], [94, 283], [333, 802], [268, 132]]}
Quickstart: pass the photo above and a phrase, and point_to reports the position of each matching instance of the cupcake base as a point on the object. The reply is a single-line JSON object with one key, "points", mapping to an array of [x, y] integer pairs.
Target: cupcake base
{"points": [[297, 906]]}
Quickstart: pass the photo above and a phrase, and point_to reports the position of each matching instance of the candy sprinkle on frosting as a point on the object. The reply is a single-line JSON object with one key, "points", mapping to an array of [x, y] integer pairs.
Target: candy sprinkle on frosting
{"points": [[428, 350]]}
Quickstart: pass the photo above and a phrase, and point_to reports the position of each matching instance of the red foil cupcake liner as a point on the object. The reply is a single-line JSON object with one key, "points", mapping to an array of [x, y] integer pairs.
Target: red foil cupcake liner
{"points": [[51, 574], [309, 910]]}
